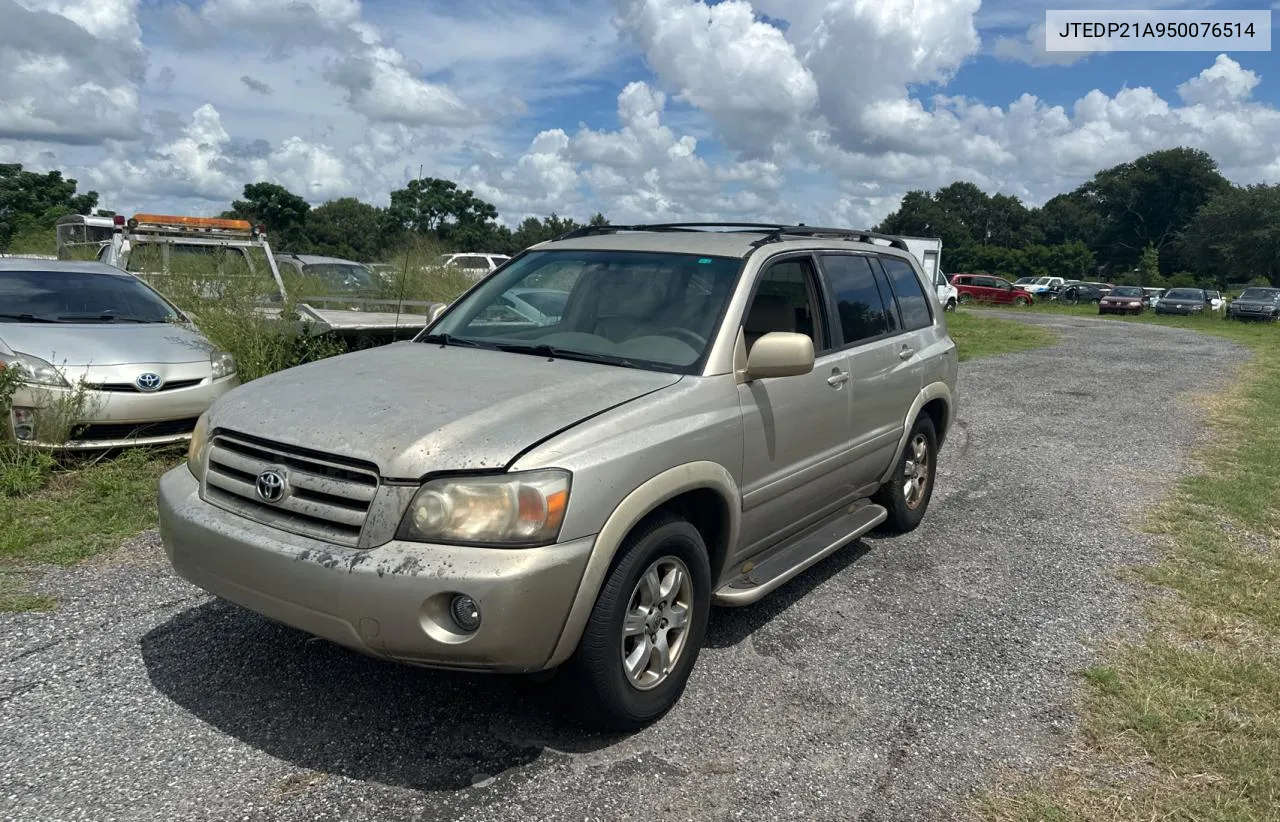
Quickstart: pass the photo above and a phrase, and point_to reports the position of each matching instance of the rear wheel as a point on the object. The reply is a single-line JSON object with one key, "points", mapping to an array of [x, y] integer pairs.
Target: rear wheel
{"points": [[907, 493], [646, 629]]}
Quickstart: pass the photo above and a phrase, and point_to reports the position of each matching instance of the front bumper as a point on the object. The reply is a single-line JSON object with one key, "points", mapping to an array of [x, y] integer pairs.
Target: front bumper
{"points": [[115, 419], [391, 601]]}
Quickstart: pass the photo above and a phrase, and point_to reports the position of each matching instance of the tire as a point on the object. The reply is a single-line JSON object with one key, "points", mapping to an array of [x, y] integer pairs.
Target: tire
{"points": [[603, 694], [965, 299], [904, 515], [950, 306], [1022, 301]]}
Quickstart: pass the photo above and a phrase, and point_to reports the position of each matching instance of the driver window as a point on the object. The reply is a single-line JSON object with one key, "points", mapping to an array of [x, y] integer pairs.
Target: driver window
{"points": [[785, 300]]}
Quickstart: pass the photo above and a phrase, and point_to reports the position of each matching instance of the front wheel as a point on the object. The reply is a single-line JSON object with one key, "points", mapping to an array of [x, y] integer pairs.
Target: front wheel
{"points": [[950, 306], [965, 299], [1022, 301], [907, 493], [646, 629]]}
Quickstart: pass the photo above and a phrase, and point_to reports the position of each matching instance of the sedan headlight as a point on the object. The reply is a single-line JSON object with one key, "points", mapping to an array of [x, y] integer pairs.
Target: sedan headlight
{"points": [[198, 449], [224, 365], [34, 370], [522, 509]]}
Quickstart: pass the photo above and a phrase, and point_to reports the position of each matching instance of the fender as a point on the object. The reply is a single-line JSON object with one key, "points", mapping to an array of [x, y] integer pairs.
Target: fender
{"points": [[634, 508], [931, 392]]}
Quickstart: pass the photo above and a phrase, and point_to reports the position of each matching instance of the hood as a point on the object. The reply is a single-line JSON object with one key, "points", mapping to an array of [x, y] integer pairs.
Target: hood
{"points": [[77, 344], [414, 408]]}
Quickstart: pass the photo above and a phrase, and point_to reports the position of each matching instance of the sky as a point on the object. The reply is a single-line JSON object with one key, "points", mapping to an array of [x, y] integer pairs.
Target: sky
{"points": [[815, 111]]}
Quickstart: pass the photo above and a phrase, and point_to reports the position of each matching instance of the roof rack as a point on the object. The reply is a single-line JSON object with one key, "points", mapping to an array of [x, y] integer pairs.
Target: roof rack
{"points": [[774, 232]]}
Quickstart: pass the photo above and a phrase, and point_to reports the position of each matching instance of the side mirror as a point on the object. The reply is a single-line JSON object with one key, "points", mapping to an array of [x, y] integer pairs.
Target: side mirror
{"points": [[780, 354]]}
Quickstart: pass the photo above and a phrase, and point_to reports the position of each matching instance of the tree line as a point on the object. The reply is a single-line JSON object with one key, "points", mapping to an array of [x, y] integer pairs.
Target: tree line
{"points": [[1166, 218]]}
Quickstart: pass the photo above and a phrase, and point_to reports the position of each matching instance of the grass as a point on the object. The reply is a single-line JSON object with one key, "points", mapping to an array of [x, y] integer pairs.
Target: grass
{"points": [[80, 510], [978, 336], [1184, 723]]}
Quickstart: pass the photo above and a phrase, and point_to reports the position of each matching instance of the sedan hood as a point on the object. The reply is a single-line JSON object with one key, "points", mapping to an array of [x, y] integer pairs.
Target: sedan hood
{"points": [[414, 408], [81, 344]]}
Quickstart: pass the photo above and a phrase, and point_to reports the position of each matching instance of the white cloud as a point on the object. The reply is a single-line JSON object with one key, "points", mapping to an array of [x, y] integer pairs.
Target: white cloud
{"points": [[828, 118], [1030, 49], [69, 70]]}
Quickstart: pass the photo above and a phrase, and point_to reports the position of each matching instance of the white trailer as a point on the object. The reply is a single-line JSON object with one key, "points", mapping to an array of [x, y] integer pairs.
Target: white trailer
{"points": [[928, 250]]}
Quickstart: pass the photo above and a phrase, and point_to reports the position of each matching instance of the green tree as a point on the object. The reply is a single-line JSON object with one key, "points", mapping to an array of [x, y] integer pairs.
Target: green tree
{"points": [[348, 228], [32, 202], [1235, 236], [280, 210], [1149, 267], [438, 206], [1150, 201]]}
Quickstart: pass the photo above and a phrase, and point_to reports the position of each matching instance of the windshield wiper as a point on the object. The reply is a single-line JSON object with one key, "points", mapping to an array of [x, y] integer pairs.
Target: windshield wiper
{"points": [[104, 318], [545, 350], [26, 318], [449, 339]]}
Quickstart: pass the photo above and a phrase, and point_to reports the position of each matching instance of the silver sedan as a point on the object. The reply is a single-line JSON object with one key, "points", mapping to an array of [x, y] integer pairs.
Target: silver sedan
{"points": [[103, 360]]}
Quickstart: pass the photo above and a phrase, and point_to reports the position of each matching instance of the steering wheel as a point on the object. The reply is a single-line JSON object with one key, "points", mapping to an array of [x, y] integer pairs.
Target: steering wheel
{"points": [[683, 333]]}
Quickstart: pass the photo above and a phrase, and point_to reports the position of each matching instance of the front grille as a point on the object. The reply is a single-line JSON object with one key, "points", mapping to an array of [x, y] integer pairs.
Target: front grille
{"points": [[328, 498], [132, 430], [130, 387]]}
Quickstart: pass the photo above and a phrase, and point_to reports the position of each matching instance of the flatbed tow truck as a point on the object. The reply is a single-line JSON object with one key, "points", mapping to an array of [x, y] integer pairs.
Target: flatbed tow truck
{"points": [[356, 317]]}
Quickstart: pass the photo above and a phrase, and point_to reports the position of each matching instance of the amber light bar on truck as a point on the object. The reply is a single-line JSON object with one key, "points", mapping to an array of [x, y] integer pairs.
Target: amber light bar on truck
{"points": [[167, 222]]}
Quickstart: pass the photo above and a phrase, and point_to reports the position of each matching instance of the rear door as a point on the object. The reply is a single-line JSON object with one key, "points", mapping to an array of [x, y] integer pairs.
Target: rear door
{"points": [[882, 374]]}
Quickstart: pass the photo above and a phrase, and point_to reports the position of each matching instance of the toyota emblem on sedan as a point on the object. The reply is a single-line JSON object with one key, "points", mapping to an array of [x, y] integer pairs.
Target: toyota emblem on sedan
{"points": [[271, 486], [148, 382]]}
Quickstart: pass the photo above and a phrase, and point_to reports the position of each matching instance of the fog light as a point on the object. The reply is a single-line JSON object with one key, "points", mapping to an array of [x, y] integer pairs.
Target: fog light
{"points": [[465, 612], [24, 423]]}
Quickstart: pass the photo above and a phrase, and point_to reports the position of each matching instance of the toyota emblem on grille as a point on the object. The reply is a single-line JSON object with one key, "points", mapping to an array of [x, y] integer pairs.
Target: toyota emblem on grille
{"points": [[271, 486], [148, 382]]}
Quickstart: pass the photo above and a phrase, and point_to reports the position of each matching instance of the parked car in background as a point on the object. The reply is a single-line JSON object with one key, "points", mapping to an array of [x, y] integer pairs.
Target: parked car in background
{"points": [[1216, 302], [718, 411], [1083, 292], [1256, 304], [1022, 282], [104, 360], [1183, 302], [1151, 296], [948, 296], [1039, 286], [338, 275], [1123, 299], [984, 288], [476, 265]]}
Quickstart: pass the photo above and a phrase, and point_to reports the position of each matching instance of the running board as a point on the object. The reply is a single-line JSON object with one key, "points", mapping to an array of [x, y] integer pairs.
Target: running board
{"points": [[758, 579]]}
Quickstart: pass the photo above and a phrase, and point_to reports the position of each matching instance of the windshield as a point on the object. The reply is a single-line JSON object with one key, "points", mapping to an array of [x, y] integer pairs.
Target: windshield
{"points": [[1043, 280], [1126, 291], [342, 276], [1185, 294], [1266, 294], [78, 296], [650, 310]]}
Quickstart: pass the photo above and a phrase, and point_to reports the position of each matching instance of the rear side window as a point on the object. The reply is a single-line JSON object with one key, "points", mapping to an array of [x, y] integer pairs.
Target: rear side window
{"points": [[858, 302], [911, 299]]}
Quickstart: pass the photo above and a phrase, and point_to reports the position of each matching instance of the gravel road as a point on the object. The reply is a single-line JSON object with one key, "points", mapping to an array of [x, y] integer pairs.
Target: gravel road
{"points": [[882, 685]]}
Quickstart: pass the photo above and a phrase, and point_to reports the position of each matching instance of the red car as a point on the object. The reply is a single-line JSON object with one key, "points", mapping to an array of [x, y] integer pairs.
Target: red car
{"points": [[1123, 299], [984, 288]]}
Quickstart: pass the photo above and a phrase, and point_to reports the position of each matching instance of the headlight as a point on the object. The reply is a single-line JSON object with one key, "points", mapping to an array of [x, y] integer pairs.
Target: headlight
{"points": [[224, 365], [503, 509], [199, 446], [34, 370], [1134, 304]]}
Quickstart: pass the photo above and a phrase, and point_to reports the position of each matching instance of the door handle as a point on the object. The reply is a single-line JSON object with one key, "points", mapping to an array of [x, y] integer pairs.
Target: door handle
{"points": [[907, 352], [838, 378]]}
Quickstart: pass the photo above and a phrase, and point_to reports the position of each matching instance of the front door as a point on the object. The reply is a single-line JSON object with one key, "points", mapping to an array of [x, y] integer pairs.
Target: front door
{"points": [[796, 430]]}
